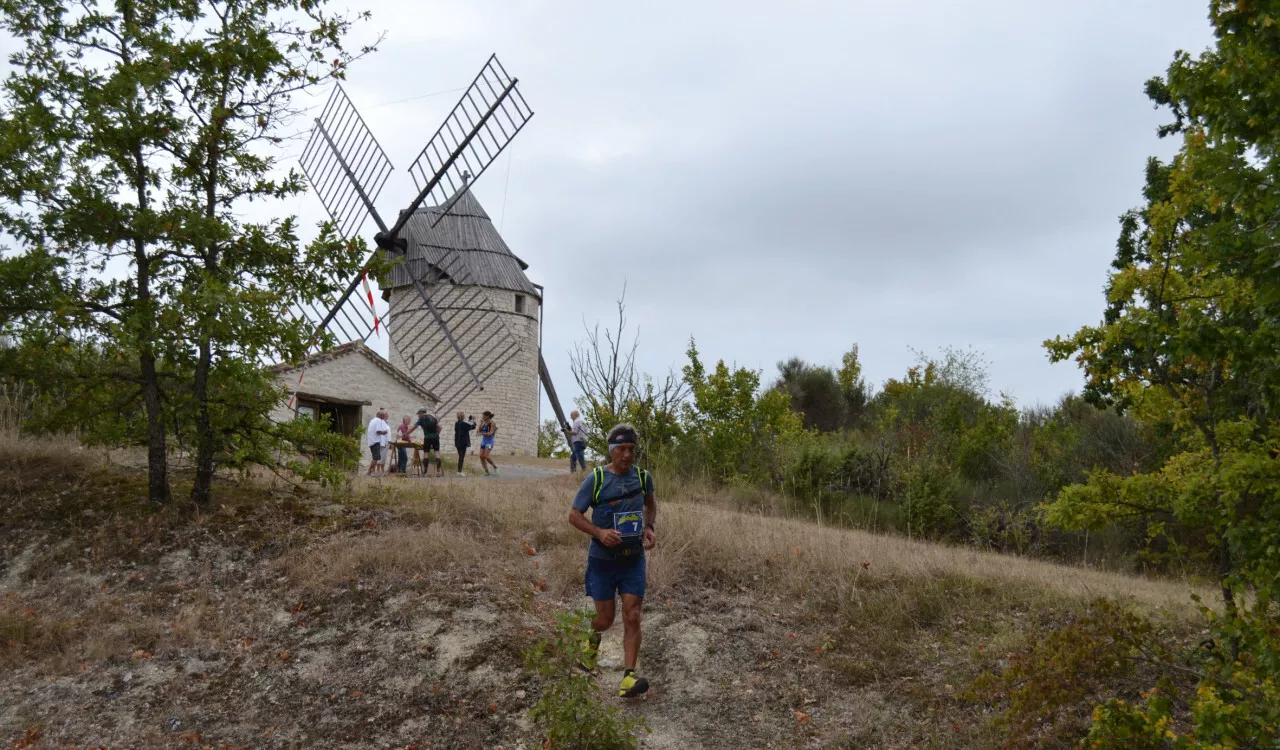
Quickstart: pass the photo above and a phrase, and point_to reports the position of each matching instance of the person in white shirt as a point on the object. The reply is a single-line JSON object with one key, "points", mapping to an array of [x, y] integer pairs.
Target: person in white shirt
{"points": [[578, 442], [376, 436]]}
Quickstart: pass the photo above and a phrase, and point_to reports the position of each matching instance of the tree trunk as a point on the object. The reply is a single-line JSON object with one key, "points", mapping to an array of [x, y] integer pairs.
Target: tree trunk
{"points": [[157, 455], [206, 440], [202, 490]]}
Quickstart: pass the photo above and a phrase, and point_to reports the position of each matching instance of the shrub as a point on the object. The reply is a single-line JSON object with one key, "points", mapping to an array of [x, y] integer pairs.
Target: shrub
{"points": [[1050, 688], [569, 711], [929, 500]]}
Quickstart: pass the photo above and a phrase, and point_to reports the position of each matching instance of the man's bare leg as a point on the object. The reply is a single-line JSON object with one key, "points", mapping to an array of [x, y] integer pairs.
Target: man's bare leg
{"points": [[631, 616], [604, 615]]}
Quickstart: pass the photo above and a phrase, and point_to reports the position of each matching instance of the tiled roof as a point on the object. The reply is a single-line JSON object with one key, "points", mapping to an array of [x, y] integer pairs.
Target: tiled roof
{"points": [[468, 233]]}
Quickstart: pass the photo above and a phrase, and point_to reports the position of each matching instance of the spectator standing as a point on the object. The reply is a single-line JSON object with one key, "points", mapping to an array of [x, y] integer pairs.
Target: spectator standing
{"points": [[403, 432], [488, 430], [462, 439], [578, 442], [375, 436], [430, 439]]}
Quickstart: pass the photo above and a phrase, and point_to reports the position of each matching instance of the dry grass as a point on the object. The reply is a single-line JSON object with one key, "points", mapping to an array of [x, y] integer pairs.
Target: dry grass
{"points": [[45, 454], [722, 548], [394, 555]]}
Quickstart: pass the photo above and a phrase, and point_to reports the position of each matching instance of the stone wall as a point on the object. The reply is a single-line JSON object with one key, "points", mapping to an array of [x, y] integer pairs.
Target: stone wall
{"points": [[510, 392], [354, 377]]}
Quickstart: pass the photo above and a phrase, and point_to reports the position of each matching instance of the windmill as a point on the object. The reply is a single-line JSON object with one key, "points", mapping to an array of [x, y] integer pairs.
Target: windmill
{"points": [[452, 339]]}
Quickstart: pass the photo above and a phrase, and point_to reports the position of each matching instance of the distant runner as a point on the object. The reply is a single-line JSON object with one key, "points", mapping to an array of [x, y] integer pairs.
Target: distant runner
{"points": [[623, 512], [430, 440], [488, 429]]}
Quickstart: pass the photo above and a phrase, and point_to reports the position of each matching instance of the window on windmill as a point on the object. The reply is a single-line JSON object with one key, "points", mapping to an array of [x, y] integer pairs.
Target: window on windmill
{"points": [[519, 303]]}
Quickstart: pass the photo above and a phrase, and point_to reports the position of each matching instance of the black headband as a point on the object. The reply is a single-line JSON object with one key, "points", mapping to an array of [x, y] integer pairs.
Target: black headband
{"points": [[624, 436]]}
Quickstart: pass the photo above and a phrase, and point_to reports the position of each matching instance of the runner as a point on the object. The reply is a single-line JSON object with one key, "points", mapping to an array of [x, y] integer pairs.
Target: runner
{"points": [[623, 512], [462, 439], [488, 428], [430, 440]]}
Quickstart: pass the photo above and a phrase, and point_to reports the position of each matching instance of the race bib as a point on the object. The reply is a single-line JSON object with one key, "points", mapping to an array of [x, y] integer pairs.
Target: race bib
{"points": [[629, 524]]}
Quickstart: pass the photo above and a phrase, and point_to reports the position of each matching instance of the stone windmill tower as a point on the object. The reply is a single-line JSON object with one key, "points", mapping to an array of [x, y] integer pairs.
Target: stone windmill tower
{"points": [[480, 288], [464, 319]]}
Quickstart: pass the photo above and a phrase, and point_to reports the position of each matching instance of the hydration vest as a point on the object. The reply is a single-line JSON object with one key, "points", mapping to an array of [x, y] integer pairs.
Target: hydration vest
{"points": [[597, 478]]}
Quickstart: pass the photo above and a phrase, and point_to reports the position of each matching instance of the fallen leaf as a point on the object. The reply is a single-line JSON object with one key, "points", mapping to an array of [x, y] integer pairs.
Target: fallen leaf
{"points": [[792, 636], [774, 653], [865, 565], [284, 656], [493, 708], [528, 549], [357, 693], [140, 655], [246, 642], [28, 612], [801, 716], [369, 524], [540, 584], [956, 727]]}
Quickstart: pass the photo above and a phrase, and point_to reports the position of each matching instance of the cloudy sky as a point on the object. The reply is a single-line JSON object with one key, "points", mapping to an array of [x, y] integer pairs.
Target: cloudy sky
{"points": [[787, 179]]}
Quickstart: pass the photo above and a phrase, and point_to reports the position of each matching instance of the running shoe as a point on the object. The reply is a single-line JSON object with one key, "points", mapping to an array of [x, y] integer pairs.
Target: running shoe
{"points": [[632, 685], [590, 651]]}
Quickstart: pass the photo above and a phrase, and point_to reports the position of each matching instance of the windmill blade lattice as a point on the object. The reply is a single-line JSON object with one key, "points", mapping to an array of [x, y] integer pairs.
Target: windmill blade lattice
{"points": [[487, 117], [345, 164]]}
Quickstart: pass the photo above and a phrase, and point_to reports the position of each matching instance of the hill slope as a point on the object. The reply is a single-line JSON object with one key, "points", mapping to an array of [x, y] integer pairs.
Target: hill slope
{"points": [[396, 616]]}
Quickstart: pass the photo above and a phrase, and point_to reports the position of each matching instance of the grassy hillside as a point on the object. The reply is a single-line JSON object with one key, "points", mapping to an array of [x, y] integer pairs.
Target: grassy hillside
{"points": [[396, 617]]}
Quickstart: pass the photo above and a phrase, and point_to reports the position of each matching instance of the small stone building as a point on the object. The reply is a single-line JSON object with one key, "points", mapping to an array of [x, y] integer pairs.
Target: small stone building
{"points": [[350, 383]]}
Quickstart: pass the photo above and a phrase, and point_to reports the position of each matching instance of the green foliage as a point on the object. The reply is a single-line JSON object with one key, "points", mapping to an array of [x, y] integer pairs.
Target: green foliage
{"points": [[734, 431], [1190, 341], [814, 392], [133, 137], [551, 441], [1050, 686], [569, 711], [311, 451]]}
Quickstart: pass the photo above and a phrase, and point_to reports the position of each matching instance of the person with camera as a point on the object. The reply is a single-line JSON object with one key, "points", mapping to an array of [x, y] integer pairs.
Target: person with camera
{"points": [[462, 439]]}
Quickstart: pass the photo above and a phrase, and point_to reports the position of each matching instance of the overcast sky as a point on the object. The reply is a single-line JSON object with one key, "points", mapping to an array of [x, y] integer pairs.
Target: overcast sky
{"points": [[787, 179]]}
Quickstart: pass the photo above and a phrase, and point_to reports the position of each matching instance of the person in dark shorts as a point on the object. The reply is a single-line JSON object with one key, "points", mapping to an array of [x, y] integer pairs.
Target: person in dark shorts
{"points": [[430, 440], [462, 439], [376, 434], [488, 433], [623, 512]]}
